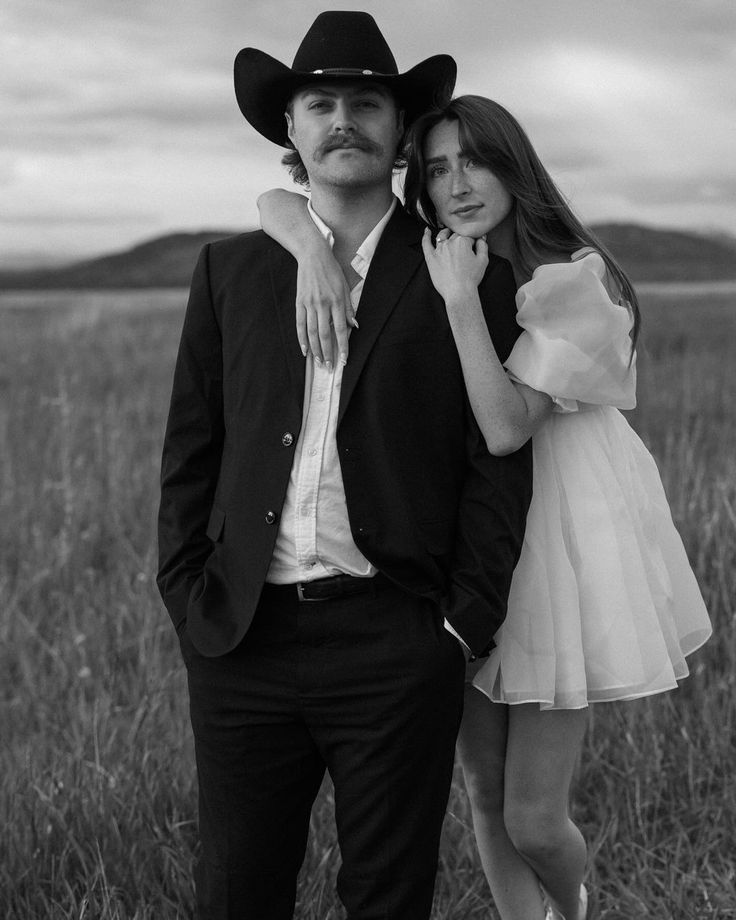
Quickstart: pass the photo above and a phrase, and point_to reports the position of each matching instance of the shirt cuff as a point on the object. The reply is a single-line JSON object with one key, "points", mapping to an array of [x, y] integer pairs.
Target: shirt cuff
{"points": [[469, 656]]}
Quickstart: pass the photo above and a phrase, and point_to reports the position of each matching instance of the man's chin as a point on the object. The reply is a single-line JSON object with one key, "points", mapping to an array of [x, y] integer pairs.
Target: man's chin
{"points": [[354, 175]]}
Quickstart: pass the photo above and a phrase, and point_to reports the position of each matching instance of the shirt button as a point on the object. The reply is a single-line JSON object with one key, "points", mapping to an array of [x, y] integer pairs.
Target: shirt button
{"points": [[313, 452], [271, 517], [287, 439]]}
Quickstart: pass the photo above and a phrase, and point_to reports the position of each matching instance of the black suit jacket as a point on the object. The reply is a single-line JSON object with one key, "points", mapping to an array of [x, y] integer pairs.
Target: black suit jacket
{"points": [[428, 505]]}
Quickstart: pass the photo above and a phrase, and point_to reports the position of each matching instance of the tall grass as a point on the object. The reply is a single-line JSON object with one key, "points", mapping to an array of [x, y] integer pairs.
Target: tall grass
{"points": [[97, 785]]}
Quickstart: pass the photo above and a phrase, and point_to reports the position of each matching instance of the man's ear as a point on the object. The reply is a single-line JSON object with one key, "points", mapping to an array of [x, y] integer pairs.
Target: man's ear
{"points": [[289, 127]]}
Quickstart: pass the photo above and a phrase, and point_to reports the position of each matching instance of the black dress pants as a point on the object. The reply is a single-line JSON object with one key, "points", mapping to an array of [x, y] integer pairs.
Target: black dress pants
{"points": [[368, 687]]}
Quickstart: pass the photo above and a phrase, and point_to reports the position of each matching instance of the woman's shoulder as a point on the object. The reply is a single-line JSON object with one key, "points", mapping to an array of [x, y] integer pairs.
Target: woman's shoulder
{"points": [[565, 276], [575, 299], [575, 343], [559, 265]]}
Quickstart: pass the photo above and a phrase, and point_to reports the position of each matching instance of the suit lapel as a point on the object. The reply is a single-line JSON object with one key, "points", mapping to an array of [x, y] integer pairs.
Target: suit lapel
{"points": [[396, 260], [283, 286]]}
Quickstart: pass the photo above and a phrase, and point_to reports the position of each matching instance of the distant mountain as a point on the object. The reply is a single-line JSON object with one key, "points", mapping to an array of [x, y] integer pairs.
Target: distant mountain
{"points": [[669, 255], [646, 253], [167, 261]]}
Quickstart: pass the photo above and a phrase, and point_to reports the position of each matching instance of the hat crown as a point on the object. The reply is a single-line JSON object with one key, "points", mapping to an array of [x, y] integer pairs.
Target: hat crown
{"points": [[340, 46], [344, 41]]}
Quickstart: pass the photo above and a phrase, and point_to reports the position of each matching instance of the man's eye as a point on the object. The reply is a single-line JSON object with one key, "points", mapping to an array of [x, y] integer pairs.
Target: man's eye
{"points": [[436, 171]]}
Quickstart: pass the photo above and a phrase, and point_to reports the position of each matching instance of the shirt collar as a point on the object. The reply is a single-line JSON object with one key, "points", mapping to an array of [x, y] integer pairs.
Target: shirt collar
{"points": [[362, 259]]}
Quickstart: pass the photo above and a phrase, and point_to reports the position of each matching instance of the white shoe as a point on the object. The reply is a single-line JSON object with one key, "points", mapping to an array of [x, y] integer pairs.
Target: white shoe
{"points": [[583, 903], [553, 914]]}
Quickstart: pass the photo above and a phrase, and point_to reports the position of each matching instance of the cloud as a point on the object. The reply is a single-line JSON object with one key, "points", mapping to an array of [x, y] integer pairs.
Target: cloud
{"points": [[122, 115]]}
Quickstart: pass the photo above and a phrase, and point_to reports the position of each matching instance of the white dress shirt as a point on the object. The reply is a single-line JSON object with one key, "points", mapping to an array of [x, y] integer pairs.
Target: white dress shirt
{"points": [[314, 538]]}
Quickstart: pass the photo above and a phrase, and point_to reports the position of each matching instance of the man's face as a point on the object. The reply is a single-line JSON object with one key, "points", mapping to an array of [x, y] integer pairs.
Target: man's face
{"points": [[347, 134]]}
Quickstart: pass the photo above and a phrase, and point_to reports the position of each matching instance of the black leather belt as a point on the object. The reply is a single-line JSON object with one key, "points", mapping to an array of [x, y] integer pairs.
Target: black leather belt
{"points": [[326, 589]]}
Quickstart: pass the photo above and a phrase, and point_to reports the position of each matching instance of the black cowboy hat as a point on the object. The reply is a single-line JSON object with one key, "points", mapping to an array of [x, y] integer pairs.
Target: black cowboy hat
{"points": [[338, 46]]}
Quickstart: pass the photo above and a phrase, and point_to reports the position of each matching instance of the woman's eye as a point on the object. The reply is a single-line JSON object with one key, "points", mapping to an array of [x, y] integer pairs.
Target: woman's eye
{"points": [[436, 171]]}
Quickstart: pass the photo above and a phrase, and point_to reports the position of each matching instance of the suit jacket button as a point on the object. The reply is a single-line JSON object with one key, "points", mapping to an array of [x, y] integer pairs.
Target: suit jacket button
{"points": [[271, 517], [287, 439]]}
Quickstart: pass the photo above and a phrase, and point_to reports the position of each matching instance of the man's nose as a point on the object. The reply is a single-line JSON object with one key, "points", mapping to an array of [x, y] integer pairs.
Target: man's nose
{"points": [[342, 119]]}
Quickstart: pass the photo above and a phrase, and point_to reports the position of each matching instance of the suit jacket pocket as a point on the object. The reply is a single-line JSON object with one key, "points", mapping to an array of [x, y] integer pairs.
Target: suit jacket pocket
{"points": [[216, 524]]}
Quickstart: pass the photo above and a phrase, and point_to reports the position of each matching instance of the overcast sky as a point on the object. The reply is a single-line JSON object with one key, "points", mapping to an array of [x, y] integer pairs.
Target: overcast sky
{"points": [[119, 121]]}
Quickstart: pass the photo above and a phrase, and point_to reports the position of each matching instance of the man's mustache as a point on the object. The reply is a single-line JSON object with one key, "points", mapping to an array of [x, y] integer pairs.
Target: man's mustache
{"points": [[342, 141]]}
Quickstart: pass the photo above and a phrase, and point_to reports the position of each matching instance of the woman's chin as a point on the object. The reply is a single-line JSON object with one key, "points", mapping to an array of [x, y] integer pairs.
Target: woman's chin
{"points": [[474, 228]]}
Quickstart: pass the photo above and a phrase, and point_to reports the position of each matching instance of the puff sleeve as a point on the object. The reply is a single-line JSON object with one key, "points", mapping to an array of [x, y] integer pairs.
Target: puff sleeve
{"points": [[575, 346]]}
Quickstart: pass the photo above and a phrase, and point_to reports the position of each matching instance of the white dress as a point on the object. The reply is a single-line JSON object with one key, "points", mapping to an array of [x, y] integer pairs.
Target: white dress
{"points": [[603, 603]]}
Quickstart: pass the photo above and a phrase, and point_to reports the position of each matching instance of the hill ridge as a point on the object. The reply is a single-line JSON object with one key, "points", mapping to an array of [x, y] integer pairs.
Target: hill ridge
{"points": [[646, 253]]}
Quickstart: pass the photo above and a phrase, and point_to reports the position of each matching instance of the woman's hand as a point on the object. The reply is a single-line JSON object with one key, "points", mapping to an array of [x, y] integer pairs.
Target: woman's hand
{"points": [[456, 263], [322, 304], [322, 293]]}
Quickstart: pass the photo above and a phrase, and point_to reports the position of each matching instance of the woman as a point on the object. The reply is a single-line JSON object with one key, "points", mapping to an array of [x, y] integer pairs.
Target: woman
{"points": [[603, 605]]}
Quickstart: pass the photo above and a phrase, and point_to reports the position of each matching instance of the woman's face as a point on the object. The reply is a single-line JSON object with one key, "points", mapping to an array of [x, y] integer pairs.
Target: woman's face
{"points": [[467, 197]]}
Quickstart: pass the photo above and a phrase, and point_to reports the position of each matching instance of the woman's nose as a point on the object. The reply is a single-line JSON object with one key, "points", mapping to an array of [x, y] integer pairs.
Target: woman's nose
{"points": [[459, 183]]}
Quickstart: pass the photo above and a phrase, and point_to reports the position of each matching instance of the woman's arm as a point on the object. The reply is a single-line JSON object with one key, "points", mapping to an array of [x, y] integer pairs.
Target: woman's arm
{"points": [[507, 413], [322, 293]]}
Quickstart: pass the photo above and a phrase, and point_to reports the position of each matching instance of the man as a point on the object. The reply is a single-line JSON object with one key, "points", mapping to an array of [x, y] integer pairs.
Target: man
{"points": [[316, 522]]}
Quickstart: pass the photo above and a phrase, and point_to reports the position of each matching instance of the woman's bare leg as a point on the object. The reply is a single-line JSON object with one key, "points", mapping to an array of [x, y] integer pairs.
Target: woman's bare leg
{"points": [[541, 752], [482, 748]]}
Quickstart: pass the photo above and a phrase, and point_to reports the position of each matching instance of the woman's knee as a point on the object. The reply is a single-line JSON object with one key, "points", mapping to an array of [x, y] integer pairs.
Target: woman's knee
{"points": [[536, 828]]}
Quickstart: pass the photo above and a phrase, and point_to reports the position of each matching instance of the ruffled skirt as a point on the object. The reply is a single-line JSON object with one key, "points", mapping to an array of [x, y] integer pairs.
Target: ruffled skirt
{"points": [[603, 604]]}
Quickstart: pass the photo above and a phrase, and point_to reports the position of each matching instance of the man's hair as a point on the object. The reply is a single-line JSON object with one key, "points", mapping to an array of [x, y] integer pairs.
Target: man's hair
{"points": [[298, 171]]}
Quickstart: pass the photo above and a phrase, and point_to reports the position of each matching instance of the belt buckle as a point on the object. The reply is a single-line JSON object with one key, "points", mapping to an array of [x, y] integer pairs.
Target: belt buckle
{"points": [[300, 593]]}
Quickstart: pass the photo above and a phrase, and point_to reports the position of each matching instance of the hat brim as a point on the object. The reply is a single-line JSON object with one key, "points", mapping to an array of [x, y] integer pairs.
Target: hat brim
{"points": [[264, 86]]}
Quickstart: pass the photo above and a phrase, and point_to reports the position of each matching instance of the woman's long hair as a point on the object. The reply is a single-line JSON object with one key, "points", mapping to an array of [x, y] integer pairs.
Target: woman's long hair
{"points": [[543, 220]]}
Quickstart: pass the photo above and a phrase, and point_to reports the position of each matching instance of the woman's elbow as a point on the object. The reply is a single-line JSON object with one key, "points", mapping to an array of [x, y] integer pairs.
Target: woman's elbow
{"points": [[503, 443]]}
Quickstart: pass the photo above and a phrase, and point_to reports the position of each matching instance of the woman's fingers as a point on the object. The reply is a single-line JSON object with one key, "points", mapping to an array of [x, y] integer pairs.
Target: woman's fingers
{"points": [[323, 329], [324, 326], [319, 331], [322, 303], [427, 246], [341, 329], [454, 262], [343, 319], [314, 346], [302, 333]]}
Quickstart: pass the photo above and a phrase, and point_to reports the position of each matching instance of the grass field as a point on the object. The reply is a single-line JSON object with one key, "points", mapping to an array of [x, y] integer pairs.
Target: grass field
{"points": [[97, 786]]}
